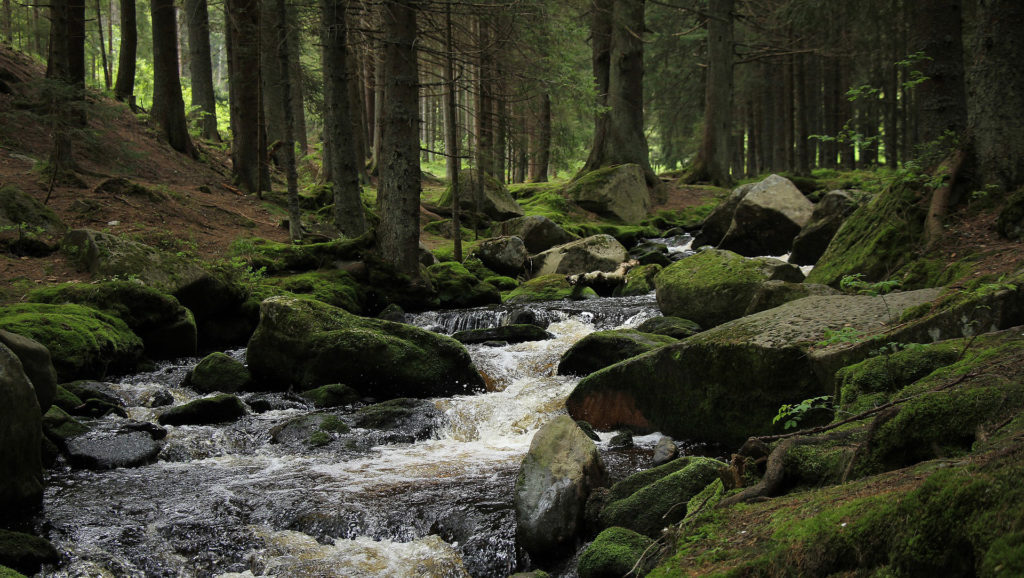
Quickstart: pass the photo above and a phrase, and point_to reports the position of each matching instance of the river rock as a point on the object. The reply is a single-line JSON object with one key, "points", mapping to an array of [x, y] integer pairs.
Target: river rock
{"points": [[25, 553], [507, 333], [219, 408], [555, 478], [106, 450], [307, 344], [727, 383], [716, 286], [596, 253], [767, 219], [615, 552], [496, 202], [218, 372], [619, 192], [538, 233], [830, 212], [552, 287], [716, 224], [331, 395], [670, 326], [503, 255], [457, 287], [35, 360], [21, 485], [665, 451], [402, 420], [774, 293], [638, 281], [603, 348], [650, 253]]}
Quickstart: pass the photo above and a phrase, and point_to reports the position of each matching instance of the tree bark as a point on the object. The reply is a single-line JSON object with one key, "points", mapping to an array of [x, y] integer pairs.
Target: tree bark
{"points": [[201, 68], [541, 154], [243, 22], [712, 162], [398, 233], [168, 107], [288, 142], [484, 103], [124, 86], [270, 81], [348, 206], [600, 46], [103, 52], [802, 116], [942, 98], [451, 133]]}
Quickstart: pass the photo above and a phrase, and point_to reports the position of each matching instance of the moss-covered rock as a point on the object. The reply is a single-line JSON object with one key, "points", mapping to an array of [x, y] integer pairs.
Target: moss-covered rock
{"points": [[25, 552], [671, 326], [618, 192], [613, 553], [603, 348], [639, 281], [828, 216], [37, 364], [457, 287], [595, 253], [405, 419], [502, 283], [715, 286], [771, 294], [218, 408], [275, 257], [538, 232], [105, 255], [82, 341], [662, 502], [871, 382], [59, 426], [313, 429], [331, 395], [307, 344], [21, 484], [218, 372], [516, 333], [167, 329], [27, 227], [66, 400], [495, 201], [631, 484], [332, 286], [548, 288]]}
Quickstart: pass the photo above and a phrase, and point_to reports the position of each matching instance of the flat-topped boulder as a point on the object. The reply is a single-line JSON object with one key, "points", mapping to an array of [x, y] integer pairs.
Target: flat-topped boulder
{"points": [[618, 192], [595, 253]]}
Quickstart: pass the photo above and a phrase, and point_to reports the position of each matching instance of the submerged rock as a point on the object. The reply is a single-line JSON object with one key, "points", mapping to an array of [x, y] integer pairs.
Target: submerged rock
{"points": [[404, 420], [331, 395]]}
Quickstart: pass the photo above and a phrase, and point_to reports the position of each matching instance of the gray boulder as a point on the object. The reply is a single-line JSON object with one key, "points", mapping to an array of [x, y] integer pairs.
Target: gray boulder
{"points": [[555, 478], [767, 219], [715, 286], [503, 255], [306, 343], [21, 486], [830, 212], [619, 192], [35, 360], [774, 293], [596, 253], [537, 232], [665, 451], [715, 225], [106, 450], [495, 203]]}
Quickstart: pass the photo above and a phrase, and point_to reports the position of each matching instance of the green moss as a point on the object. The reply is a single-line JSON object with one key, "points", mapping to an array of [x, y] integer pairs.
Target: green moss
{"points": [[628, 235], [6, 572], [612, 554], [502, 283], [25, 552], [603, 348], [331, 286], [332, 395], [671, 326], [318, 439], [457, 287], [551, 204], [280, 257], [552, 287], [628, 486], [59, 426], [474, 265], [937, 272], [66, 400], [387, 414], [83, 342], [219, 372], [333, 423], [814, 465], [870, 383], [1005, 557], [639, 281]]}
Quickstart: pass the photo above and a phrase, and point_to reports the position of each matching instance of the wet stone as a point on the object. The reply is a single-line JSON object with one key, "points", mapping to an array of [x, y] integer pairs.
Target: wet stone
{"points": [[108, 450]]}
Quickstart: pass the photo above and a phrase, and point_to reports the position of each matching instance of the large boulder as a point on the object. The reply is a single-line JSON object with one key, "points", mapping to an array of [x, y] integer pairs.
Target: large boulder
{"points": [[82, 341], [218, 372], [21, 485], [496, 202], [727, 383], [551, 490], [830, 212], [552, 287], [457, 287], [596, 253], [503, 255], [671, 326], [35, 360], [167, 329], [603, 348], [715, 286], [538, 233], [716, 224], [107, 450], [306, 343], [618, 192], [768, 218], [638, 281]]}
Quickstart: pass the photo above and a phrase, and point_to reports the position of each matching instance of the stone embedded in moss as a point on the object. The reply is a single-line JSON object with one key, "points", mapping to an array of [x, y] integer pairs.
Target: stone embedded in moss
{"points": [[457, 287], [25, 552], [548, 288], [82, 341], [613, 554], [208, 410], [218, 372], [603, 348], [331, 395], [332, 286]]}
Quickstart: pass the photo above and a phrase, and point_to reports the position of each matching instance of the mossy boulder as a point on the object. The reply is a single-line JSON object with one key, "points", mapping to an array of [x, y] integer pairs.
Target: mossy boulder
{"points": [[82, 341], [771, 294], [614, 553], [275, 257], [167, 329], [555, 478], [59, 426], [105, 255], [504, 255], [27, 226], [603, 348], [332, 286], [639, 281], [306, 343], [549, 288], [26, 553], [671, 326], [35, 361], [502, 283], [416, 417], [715, 286], [516, 333], [494, 201], [21, 485], [331, 395], [66, 400], [727, 383], [457, 287], [871, 382], [312, 429], [618, 192], [220, 408], [538, 232], [595, 253], [218, 372]]}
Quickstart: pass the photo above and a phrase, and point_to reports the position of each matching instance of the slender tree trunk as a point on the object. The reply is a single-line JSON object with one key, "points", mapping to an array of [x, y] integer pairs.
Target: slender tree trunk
{"points": [[270, 80], [379, 79], [356, 111], [485, 104], [8, 28], [288, 142], [58, 68], [201, 68], [601, 45], [753, 135], [103, 53], [243, 22], [802, 165], [451, 132], [76, 44], [124, 86], [295, 74], [168, 106], [398, 233], [542, 153], [712, 162], [348, 206]]}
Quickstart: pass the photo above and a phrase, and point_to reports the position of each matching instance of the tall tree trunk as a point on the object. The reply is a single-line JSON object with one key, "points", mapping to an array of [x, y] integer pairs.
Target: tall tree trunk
{"points": [[753, 136], [348, 205], [451, 132], [832, 121], [288, 142], [243, 22], [168, 106], [802, 165], [379, 80], [485, 150], [941, 99], [712, 162], [76, 45], [398, 233], [124, 86], [103, 52], [780, 118], [58, 67], [600, 46], [357, 111], [8, 28], [270, 80], [542, 152], [295, 74], [201, 68]]}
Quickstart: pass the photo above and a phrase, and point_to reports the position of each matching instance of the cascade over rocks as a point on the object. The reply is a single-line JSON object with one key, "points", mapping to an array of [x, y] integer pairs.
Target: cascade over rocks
{"points": [[35, 360], [538, 233], [503, 255], [21, 485], [596, 253], [767, 218], [305, 343], [829, 214], [618, 192], [716, 286], [555, 478]]}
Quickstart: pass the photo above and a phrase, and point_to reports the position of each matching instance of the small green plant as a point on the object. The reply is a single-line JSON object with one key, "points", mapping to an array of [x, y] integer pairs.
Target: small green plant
{"points": [[990, 288], [792, 414], [856, 284], [842, 335]]}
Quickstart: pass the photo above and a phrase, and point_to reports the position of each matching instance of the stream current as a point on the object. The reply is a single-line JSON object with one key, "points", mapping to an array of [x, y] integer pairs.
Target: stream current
{"points": [[225, 501]]}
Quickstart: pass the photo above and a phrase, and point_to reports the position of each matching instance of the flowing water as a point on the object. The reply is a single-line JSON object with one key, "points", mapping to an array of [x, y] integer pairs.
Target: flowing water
{"points": [[226, 501]]}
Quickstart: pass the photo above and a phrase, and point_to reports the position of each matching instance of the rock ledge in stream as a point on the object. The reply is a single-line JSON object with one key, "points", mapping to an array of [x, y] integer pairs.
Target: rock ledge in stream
{"points": [[508, 333], [307, 344], [208, 410]]}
